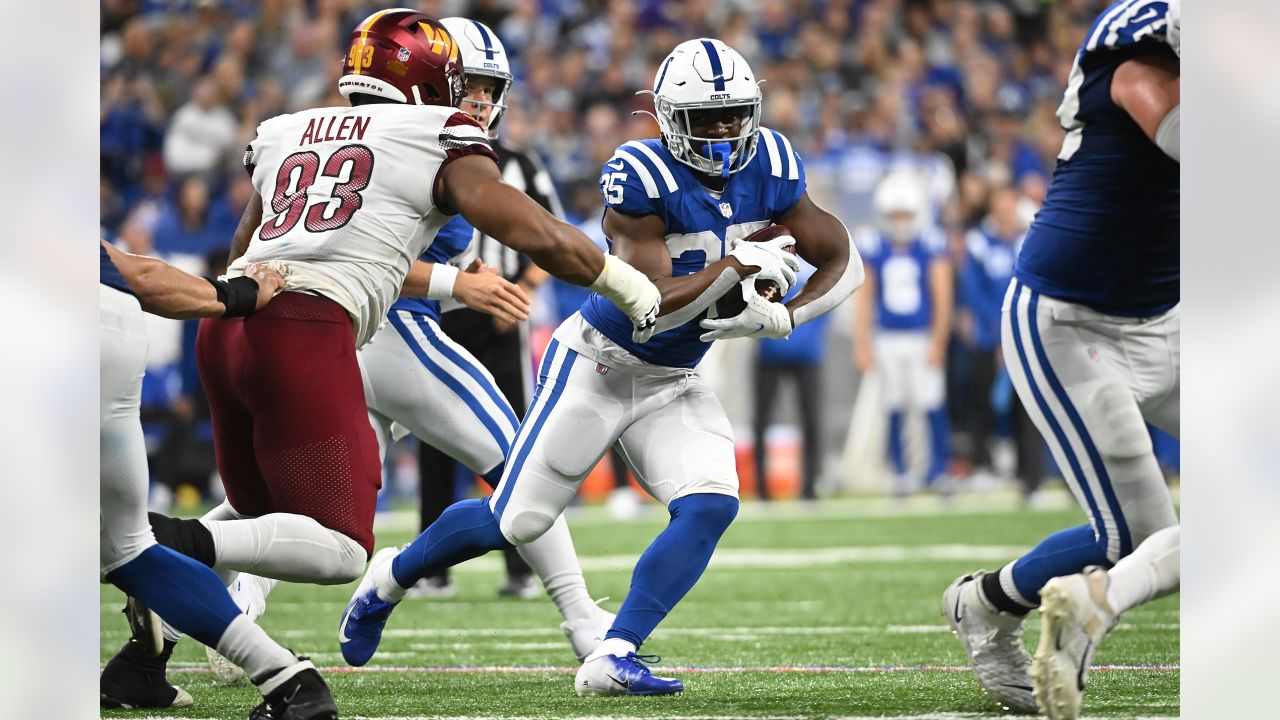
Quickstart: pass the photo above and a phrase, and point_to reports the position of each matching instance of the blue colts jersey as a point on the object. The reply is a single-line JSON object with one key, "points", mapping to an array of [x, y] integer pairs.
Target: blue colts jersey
{"points": [[1107, 236], [451, 241], [903, 298], [642, 178], [110, 274]]}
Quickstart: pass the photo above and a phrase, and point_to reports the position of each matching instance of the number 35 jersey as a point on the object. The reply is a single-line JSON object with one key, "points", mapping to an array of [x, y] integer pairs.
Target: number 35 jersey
{"points": [[349, 198], [642, 178]]}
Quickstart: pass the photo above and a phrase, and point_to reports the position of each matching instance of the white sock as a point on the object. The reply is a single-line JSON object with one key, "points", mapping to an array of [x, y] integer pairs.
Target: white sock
{"points": [[555, 561], [384, 582], [287, 547], [1151, 571], [612, 646], [250, 593], [249, 646]]}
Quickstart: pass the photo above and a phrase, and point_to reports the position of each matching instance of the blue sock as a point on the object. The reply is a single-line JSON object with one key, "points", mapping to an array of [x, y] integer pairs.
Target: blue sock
{"points": [[895, 442], [188, 595], [463, 531], [673, 563], [939, 443], [1065, 552]]}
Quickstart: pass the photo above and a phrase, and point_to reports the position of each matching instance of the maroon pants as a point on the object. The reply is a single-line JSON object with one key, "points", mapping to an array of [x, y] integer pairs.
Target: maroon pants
{"points": [[290, 429]]}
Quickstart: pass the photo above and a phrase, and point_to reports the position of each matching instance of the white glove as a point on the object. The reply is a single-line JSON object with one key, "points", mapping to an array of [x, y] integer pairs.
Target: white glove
{"points": [[772, 258], [633, 293], [761, 318]]}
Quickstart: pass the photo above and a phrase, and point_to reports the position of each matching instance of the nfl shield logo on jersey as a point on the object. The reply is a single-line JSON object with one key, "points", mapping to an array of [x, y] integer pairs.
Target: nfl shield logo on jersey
{"points": [[403, 55], [726, 210]]}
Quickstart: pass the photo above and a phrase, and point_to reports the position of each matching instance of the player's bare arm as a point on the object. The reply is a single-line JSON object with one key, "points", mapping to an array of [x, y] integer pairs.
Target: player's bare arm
{"points": [[863, 308], [164, 290], [641, 241], [477, 289], [941, 290], [824, 242], [249, 222], [515, 220], [1149, 88]]}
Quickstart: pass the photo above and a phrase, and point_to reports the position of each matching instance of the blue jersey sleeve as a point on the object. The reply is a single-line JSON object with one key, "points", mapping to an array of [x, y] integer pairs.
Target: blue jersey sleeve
{"points": [[624, 187], [451, 241], [786, 170]]}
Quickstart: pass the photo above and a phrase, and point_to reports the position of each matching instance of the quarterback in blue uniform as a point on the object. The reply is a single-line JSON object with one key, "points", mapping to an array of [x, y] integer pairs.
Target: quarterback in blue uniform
{"points": [[1091, 338], [676, 209]]}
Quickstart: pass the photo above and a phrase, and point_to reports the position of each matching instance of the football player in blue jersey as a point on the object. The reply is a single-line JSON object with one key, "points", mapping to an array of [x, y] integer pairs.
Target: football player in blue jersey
{"points": [[677, 208], [1091, 338], [910, 294], [418, 380]]}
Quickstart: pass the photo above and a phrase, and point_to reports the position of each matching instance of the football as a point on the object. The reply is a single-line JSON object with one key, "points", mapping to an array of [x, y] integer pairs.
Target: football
{"points": [[732, 302]]}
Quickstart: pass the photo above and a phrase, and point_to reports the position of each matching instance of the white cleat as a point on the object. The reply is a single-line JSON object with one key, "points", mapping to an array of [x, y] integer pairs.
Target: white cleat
{"points": [[586, 634], [248, 593], [1075, 616], [993, 642]]}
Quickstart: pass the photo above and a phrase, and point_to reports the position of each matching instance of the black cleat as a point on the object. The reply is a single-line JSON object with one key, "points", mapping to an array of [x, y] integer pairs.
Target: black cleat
{"points": [[304, 696], [144, 626], [134, 678]]}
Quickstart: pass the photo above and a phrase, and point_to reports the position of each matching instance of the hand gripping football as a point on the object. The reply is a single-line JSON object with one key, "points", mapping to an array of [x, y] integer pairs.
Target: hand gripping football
{"points": [[732, 303]]}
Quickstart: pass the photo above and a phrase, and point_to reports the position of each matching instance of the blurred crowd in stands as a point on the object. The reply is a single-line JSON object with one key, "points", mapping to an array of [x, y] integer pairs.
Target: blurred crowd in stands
{"points": [[960, 93]]}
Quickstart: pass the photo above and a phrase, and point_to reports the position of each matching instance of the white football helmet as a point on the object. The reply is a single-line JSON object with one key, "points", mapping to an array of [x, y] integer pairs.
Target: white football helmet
{"points": [[699, 75], [899, 193], [1174, 31], [483, 54]]}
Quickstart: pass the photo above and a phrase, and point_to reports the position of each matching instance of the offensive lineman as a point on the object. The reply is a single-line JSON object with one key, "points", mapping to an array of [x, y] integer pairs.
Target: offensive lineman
{"points": [[1091, 341], [909, 284], [340, 201], [676, 208], [182, 591], [418, 378]]}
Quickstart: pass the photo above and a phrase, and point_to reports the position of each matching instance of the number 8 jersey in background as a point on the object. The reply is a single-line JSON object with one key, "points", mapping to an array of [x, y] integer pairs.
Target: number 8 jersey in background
{"points": [[349, 198]]}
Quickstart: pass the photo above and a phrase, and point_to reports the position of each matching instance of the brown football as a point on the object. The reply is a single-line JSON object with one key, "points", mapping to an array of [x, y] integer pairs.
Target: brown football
{"points": [[731, 303]]}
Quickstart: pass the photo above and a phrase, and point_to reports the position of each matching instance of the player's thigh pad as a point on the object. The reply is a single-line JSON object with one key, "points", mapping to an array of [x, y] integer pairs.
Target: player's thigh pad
{"points": [[576, 414], [416, 376], [682, 445], [123, 356]]}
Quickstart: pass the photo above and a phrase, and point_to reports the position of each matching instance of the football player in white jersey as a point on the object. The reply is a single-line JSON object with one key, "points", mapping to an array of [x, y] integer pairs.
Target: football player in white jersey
{"points": [[346, 198], [417, 379], [1092, 341], [176, 587], [678, 207]]}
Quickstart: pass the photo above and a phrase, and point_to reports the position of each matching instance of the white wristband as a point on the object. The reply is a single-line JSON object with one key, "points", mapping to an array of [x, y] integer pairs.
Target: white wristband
{"points": [[443, 278], [624, 286], [1167, 133]]}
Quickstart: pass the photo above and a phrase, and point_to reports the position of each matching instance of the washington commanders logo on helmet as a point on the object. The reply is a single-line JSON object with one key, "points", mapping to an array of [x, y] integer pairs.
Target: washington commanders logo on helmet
{"points": [[404, 56]]}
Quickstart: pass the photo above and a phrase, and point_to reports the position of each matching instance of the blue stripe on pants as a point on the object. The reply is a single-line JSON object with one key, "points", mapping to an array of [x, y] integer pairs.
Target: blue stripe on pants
{"points": [[538, 418], [1019, 345], [477, 408], [483, 380], [1113, 505]]}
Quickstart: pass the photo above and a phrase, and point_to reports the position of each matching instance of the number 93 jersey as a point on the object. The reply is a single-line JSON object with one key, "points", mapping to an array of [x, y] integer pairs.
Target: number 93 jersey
{"points": [[642, 178], [349, 198]]}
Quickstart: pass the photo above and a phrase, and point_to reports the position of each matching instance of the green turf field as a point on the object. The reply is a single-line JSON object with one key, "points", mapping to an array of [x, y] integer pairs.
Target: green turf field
{"points": [[805, 612]]}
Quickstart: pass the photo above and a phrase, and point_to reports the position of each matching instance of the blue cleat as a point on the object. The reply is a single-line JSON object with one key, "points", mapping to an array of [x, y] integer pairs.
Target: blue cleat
{"points": [[613, 675], [361, 628]]}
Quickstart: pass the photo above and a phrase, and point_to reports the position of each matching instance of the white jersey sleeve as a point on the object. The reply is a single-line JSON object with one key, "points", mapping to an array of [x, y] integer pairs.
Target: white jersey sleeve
{"points": [[349, 198]]}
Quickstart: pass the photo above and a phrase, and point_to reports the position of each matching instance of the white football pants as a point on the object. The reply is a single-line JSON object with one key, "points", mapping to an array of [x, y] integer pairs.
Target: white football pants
{"points": [[124, 531], [907, 379], [1090, 382], [416, 377], [591, 395]]}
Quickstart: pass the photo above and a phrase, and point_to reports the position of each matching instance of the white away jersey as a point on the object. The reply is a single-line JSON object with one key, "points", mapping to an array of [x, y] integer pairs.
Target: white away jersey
{"points": [[348, 201]]}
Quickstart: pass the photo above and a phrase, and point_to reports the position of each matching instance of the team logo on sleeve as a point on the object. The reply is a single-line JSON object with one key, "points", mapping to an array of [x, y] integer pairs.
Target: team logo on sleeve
{"points": [[726, 210]]}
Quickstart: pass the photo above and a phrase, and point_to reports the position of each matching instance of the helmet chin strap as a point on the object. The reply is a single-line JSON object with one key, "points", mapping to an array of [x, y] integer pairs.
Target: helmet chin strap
{"points": [[720, 152]]}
